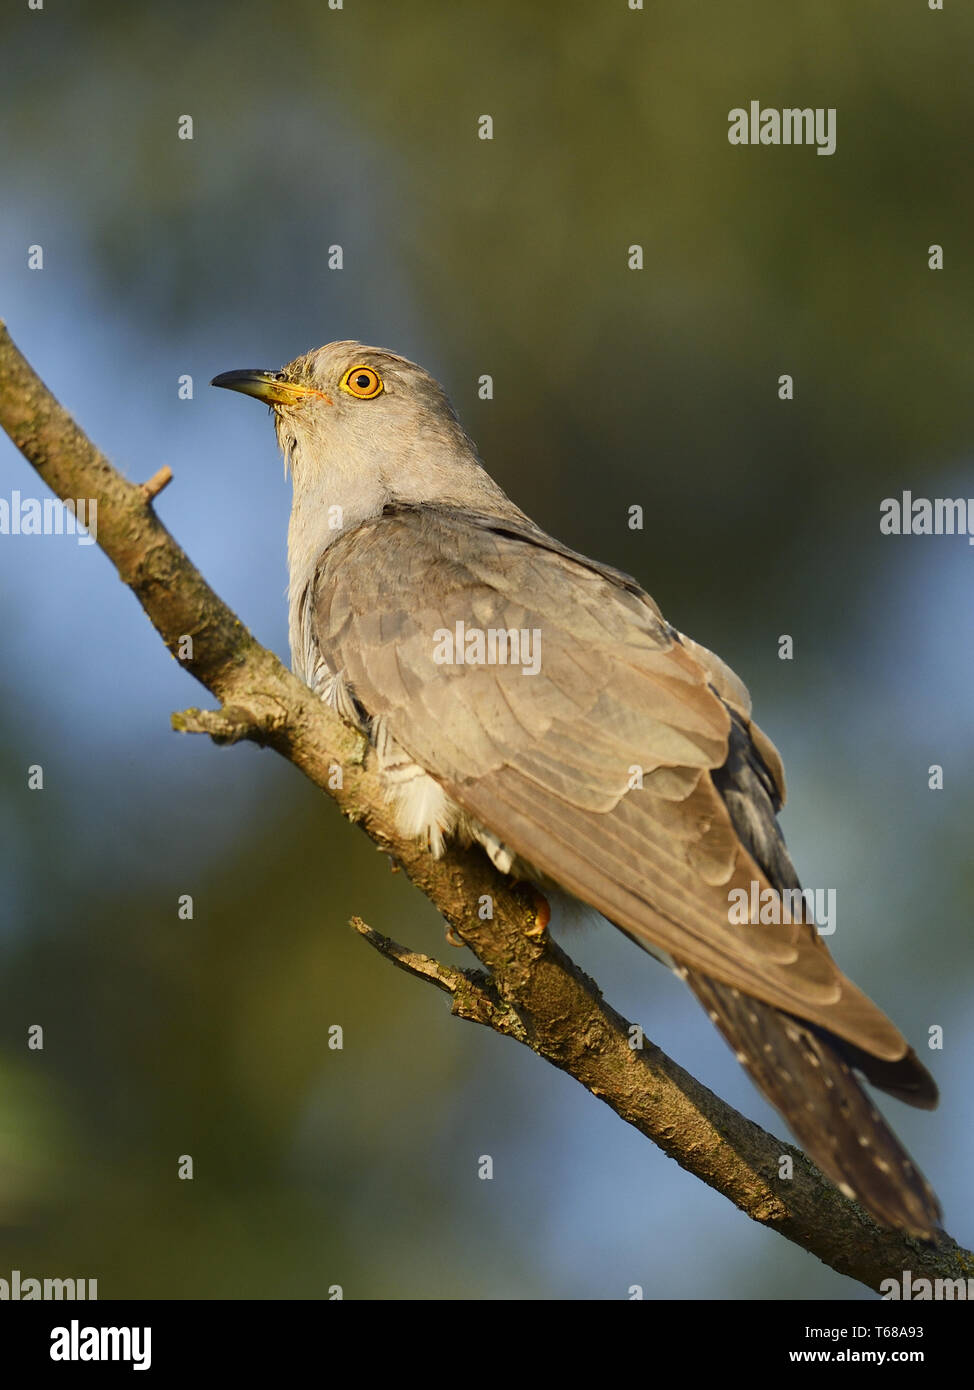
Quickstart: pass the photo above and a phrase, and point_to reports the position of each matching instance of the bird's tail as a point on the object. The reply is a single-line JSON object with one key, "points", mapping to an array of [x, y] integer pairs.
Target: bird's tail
{"points": [[806, 1074]]}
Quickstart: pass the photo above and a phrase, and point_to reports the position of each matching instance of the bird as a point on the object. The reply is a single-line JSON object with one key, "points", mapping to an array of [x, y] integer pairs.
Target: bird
{"points": [[522, 697]]}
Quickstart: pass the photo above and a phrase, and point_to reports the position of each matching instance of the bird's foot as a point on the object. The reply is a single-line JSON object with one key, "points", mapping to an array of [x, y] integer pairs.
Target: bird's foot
{"points": [[542, 913]]}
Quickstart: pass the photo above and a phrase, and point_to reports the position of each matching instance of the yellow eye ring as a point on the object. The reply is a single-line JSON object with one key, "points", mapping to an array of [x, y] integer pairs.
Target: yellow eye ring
{"points": [[363, 382]]}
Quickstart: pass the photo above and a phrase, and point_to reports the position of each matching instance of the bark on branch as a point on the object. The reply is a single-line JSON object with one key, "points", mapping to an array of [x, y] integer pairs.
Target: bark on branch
{"points": [[531, 990]]}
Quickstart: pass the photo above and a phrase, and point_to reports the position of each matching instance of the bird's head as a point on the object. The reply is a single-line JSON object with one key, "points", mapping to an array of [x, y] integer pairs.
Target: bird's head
{"points": [[351, 418]]}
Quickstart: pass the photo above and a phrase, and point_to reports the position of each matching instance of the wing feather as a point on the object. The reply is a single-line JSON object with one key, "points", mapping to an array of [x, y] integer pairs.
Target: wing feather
{"points": [[546, 761]]}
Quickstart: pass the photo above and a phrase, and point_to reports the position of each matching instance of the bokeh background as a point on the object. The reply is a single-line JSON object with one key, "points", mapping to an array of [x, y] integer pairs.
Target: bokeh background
{"points": [[358, 127]]}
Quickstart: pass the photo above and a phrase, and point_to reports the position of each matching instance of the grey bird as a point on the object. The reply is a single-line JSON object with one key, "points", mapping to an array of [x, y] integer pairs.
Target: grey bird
{"points": [[521, 696]]}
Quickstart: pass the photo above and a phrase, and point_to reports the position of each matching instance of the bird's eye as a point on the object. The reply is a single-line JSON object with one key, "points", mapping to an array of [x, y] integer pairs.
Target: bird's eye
{"points": [[363, 382], [280, 376]]}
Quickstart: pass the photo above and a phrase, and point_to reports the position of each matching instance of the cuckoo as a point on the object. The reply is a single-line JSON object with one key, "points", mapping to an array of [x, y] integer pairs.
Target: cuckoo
{"points": [[523, 697]]}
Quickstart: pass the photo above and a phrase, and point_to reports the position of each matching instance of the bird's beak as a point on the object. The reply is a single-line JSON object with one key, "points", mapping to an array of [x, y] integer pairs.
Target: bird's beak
{"points": [[267, 386]]}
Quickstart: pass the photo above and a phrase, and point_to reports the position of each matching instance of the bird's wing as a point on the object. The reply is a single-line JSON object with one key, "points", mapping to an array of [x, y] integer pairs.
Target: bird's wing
{"points": [[552, 762]]}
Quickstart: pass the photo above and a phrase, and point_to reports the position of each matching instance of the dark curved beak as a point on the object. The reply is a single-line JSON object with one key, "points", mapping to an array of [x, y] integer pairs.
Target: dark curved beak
{"points": [[269, 387]]}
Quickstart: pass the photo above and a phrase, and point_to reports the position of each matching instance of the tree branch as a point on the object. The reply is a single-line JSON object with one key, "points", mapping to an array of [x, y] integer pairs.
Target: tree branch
{"points": [[532, 991]]}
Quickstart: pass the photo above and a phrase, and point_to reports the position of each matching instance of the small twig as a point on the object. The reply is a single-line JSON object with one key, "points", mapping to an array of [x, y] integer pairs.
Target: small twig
{"points": [[474, 995], [225, 726], [445, 977], [157, 482]]}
